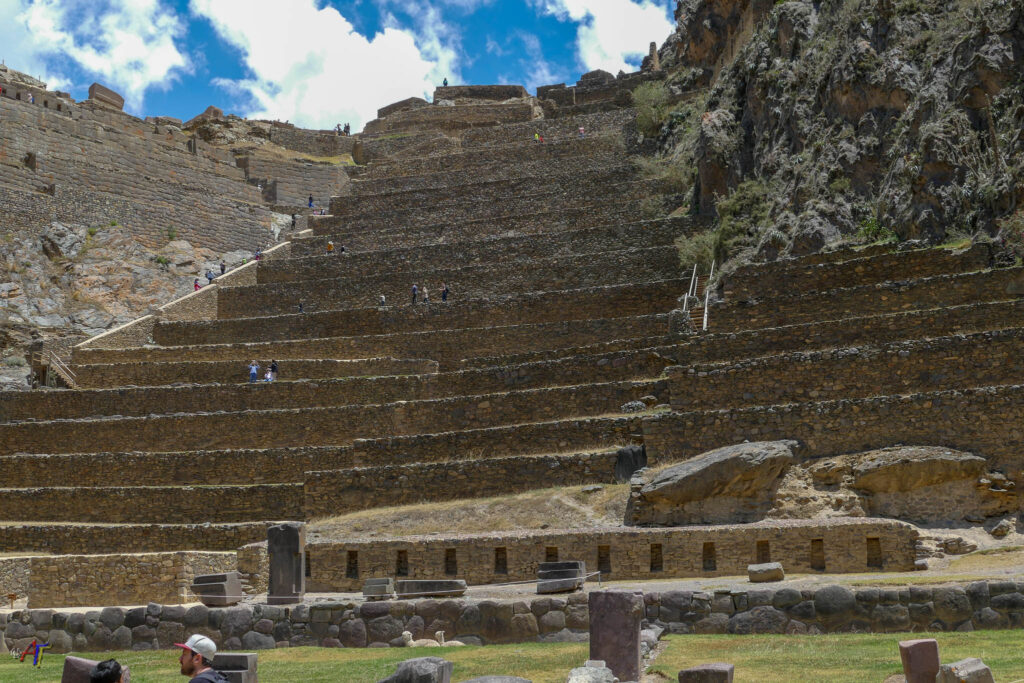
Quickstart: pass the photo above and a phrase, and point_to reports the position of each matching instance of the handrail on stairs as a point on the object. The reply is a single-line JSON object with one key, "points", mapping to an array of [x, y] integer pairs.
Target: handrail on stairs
{"points": [[62, 369]]}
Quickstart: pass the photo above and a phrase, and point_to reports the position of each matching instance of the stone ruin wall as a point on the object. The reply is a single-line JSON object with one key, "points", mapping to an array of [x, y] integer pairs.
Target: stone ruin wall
{"points": [[318, 143], [291, 181], [835, 546], [68, 539], [822, 609], [84, 580]]}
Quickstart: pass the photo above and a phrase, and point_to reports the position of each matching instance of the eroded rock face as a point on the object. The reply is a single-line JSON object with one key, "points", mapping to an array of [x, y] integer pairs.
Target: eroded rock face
{"points": [[731, 484], [906, 469]]}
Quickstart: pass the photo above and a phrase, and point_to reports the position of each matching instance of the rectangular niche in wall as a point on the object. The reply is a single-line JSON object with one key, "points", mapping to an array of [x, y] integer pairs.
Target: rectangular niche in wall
{"points": [[818, 554], [352, 564], [402, 563], [708, 561], [656, 560], [451, 564], [604, 559], [764, 552], [500, 561], [874, 548], [551, 554]]}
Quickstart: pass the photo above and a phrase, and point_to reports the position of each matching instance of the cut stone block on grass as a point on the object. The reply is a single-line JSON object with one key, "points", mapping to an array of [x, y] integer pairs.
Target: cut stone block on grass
{"points": [[717, 672], [920, 660], [763, 573], [970, 670], [615, 618]]}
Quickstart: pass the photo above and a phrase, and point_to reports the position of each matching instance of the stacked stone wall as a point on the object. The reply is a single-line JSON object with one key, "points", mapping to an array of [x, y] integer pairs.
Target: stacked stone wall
{"points": [[765, 280], [14, 576], [291, 181], [152, 504], [985, 421], [341, 491], [438, 118], [318, 426], [477, 281], [984, 358], [319, 143], [129, 171], [120, 579], [628, 551], [127, 538], [886, 297], [820, 609]]}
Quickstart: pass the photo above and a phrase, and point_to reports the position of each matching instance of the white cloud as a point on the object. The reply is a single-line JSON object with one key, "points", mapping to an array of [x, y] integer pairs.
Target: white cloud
{"points": [[20, 50], [127, 44], [613, 35], [309, 66]]}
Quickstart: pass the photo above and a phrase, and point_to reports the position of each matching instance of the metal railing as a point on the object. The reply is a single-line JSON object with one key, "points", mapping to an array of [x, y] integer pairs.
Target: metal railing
{"points": [[61, 368]]}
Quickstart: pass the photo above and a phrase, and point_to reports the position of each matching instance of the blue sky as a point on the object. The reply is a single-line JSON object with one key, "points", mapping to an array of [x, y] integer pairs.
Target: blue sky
{"points": [[318, 62]]}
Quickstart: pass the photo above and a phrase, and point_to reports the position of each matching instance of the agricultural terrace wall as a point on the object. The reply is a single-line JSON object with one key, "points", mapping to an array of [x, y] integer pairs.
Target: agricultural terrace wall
{"points": [[435, 118], [985, 421], [416, 212], [319, 143], [145, 179], [537, 191], [529, 618], [62, 539], [551, 129], [424, 258], [767, 279], [492, 279], [128, 579], [243, 395], [341, 491], [959, 362], [505, 159], [887, 297], [206, 372], [360, 236], [174, 504], [446, 345], [521, 309], [291, 181], [628, 554], [963, 319], [318, 426], [522, 439]]}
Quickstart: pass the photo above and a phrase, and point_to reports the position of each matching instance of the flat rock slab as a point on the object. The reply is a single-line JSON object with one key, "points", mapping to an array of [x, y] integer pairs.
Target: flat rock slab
{"points": [[716, 672], [970, 670], [920, 660], [763, 573], [423, 588], [497, 679]]}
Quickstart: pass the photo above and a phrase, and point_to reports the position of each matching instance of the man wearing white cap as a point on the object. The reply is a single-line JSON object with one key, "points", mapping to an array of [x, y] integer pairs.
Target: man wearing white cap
{"points": [[197, 660]]}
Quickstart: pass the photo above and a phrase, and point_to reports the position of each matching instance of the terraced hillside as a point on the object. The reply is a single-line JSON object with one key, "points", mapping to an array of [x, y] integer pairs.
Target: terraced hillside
{"points": [[560, 314]]}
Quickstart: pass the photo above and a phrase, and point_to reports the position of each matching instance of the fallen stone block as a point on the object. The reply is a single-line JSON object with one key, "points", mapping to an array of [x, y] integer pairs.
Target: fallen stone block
{"points": [[379, 589], [561, 577], [762, 573], [717, 672], [76, 669], [497, 679], [594, 671], [237, 667], [218, 590], [970, 670], [422, 670], [104, 95], [429, 588], [920, 660]]}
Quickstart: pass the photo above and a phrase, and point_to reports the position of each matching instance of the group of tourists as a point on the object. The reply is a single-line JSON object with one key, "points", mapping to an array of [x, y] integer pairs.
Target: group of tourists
{"points": [[269, 376], [423, 294]]}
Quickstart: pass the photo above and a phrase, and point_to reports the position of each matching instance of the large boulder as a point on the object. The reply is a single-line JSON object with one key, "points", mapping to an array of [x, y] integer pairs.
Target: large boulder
{"points": [[422, 670], [726, 485], [905, 469]]}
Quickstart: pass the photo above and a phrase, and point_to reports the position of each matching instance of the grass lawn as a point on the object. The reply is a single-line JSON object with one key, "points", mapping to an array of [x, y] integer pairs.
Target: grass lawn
{"points": [[539, 662], [849, 658]]}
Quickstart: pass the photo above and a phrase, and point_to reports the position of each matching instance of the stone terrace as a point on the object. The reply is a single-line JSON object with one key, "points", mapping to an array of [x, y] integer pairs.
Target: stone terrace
{"points": [[560, 315]]}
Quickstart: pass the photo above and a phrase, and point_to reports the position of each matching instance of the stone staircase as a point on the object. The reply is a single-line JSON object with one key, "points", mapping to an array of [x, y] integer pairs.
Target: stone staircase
{"points": [[559, 316]]}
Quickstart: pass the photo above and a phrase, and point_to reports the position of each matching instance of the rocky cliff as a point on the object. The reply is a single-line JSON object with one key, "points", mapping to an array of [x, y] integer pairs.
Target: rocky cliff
{"points": [[801, 123]]}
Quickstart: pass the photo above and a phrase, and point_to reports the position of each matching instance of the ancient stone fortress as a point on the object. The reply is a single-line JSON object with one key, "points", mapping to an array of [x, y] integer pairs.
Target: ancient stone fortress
{"points": [[830, 403]]}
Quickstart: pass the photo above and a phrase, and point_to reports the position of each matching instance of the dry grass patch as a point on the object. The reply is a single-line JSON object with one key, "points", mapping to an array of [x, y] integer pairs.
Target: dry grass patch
{"points": [[1007, 557], [555, 508]]}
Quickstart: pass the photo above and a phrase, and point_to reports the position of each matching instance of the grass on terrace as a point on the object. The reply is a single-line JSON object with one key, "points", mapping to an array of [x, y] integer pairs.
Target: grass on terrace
{"points": [[556, 508], [848, 658], [539, 662]]}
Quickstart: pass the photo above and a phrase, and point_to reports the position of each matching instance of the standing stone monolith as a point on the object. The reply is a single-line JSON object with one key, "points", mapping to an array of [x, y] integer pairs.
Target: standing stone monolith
{"points": [[920, 660], [286, 545], [615, 618]]}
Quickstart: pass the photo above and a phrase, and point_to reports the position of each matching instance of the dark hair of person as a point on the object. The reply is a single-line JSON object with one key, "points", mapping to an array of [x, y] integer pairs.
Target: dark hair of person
{"points": [[107, 671]]}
